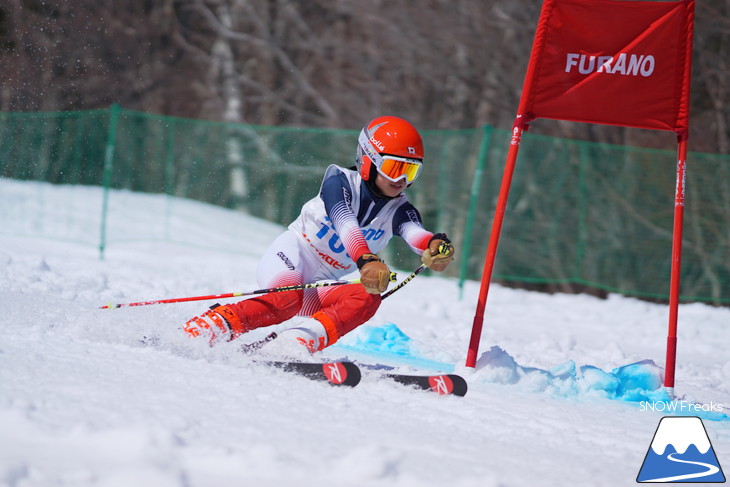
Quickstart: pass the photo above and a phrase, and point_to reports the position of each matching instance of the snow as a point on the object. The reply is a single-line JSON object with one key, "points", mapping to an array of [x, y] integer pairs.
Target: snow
{"points": [[565, 392]]}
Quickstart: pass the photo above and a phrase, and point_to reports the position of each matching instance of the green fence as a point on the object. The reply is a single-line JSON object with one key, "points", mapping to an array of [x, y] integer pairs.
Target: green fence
{"points": [[580, 214]]}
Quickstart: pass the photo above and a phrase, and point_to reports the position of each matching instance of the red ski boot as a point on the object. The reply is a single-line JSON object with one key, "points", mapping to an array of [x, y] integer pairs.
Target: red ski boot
{"points": [[219, 323]]}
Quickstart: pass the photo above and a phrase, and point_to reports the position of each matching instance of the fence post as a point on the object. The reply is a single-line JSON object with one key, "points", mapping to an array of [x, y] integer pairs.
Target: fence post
{"points": [[580, 248], [108, 162], [169, 174], [476, 184]]}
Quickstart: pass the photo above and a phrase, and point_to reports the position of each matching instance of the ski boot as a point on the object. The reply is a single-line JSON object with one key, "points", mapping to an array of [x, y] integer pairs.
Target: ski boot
{"points": [[312, 335], [219, 323]]}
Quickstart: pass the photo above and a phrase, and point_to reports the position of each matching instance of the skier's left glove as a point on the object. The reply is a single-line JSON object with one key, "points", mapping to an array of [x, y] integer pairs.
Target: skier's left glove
{"points": [[439, 253]]}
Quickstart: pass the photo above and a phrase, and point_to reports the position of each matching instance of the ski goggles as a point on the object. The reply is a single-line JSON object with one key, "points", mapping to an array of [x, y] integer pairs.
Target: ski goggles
{"points": [[396, 168]]}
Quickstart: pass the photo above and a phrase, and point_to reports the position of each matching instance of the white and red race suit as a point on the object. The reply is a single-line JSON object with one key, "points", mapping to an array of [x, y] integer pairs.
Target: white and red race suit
{"points": [[346, 220]]}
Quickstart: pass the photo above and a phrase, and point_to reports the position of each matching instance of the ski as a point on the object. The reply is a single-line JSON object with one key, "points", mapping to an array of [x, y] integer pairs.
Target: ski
{"points": [[336, 373], [440, 384], [345, 373]]}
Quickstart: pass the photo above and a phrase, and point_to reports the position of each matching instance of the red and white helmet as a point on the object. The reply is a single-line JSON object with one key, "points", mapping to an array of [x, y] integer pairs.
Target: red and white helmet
{"points": [[392, 146]]}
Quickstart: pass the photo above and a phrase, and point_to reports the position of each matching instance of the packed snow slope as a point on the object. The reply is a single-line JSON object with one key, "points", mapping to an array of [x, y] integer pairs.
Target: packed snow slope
{"points": [[559, 396]]}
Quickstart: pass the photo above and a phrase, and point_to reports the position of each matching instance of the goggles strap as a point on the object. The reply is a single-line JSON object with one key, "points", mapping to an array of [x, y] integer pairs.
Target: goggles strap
{"points": [[368, 149]]}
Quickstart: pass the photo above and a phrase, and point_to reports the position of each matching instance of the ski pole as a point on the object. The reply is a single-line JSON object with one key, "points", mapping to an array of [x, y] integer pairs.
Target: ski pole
{"points": [[279, 289], [444, 249], [295, 287], [405, 281]]}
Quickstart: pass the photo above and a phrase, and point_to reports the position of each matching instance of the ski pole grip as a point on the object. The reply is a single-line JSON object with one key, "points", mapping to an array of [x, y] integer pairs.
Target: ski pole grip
{"points": [[446, 248]]}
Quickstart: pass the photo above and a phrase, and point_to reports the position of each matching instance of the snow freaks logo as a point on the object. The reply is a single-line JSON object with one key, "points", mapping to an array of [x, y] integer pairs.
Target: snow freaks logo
{"points": [[680, 452], [681, 407]]}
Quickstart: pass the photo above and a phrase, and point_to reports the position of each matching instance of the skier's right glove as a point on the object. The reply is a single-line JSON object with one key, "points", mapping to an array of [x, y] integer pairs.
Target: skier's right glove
{"points": [[439, 253], [374, 273]]}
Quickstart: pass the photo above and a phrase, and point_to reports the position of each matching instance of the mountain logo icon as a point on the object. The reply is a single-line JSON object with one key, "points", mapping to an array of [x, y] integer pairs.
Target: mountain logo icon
{"points": [[680, 452]]}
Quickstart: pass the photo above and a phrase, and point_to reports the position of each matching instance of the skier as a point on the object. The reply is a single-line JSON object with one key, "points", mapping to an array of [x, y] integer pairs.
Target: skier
{"points": [[354, 216]]}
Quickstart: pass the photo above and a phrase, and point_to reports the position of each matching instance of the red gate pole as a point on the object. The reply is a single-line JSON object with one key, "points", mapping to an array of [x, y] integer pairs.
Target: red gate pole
{"points": [[520, 125], [676, 263]]}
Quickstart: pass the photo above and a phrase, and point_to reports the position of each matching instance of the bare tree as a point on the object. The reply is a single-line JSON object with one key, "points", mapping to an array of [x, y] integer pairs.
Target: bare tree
{"points": [[322, 63]]}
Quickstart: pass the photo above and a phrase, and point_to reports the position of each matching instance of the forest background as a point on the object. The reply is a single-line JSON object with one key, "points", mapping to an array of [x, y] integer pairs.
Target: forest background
{"points": [[442, 64]]}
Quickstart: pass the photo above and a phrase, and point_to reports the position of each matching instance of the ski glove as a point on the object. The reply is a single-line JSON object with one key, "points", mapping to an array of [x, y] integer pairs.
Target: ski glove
{"points": [[374, 273], [439, 253]]}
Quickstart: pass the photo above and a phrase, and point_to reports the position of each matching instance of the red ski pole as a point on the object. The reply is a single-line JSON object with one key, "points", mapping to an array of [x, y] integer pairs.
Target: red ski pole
{"points": [[234, 295]]}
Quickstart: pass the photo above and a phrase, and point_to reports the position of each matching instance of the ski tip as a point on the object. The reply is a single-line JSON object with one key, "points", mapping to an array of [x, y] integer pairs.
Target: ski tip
{"points": [[342, 373], [336, 373], [448, 384], [459, 385], [443, 385]]}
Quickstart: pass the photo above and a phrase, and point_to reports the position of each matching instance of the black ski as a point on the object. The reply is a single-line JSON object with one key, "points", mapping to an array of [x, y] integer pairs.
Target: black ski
{"points": [[349, 374], [440, 384], [336, 373]]}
